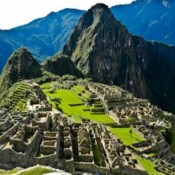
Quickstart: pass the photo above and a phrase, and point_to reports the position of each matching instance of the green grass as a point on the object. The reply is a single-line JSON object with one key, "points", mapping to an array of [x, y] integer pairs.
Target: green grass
{"points": [[75, 112], [80, 89], [98, 158], [36, 171], [9, 172], [46, 86], [14, 99], [152, 154], [148, 165], [124, 135]]}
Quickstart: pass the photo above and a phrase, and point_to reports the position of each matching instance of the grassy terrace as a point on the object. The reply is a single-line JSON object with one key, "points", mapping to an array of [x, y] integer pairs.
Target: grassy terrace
{"points": [[148, 165], [124, 135], [71, 103], [17, 97]]}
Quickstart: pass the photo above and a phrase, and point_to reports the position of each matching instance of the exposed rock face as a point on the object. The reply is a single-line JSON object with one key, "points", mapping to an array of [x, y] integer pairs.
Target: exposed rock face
{"points": [[21, 65], [61, 65], [104, 50]]}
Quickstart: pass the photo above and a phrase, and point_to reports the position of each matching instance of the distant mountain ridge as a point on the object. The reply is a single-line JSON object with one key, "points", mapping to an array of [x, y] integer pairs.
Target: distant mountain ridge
{"points": [[43, 37], [152, 19]]}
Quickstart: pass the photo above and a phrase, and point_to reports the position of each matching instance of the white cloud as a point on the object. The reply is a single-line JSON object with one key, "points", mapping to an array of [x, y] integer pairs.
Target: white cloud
{"points": [[18, 12]]}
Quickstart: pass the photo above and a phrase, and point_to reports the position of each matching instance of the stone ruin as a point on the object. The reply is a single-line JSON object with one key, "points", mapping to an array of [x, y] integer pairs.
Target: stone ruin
{"points": [[47, 137], [154, 142], [50, 139]]}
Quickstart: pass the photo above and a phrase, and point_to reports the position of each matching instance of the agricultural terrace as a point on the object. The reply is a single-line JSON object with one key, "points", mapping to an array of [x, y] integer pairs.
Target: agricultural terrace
{"points": [[148, 165], [17, 97], [125, 136], [74, 102]]}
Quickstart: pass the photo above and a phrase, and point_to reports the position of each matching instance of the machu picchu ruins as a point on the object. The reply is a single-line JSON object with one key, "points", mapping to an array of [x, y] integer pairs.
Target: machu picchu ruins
{"points": [[45, 134]]}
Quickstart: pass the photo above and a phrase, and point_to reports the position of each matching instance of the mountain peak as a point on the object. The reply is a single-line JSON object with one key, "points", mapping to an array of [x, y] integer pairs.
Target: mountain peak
{"points": [[97, 33], [21, 65], [103, 49], [20, 54], [100, 9], [100, 6]]}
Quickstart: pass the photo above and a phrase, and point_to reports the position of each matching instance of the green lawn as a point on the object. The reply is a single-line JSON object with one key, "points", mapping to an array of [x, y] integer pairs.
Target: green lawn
{"points": [[36, 171], [148, 165], [9, 172], [39, 170], [80, 89], [46, 86], [124, 135], [71, 97]]}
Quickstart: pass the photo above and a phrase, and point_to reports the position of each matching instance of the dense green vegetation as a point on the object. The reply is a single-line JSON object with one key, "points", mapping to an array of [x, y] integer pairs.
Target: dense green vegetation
{"points": [[61, 64], [124, 135], [71, 102]]}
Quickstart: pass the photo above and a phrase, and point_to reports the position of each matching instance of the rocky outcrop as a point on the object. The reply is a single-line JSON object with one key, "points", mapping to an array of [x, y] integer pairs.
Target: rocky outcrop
{"points": [[20, 66], [104, 50], [61, 65]]}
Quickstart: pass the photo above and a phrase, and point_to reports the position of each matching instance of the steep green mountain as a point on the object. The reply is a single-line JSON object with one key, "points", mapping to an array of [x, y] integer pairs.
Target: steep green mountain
{"points": [[42, 37], [152, 19], [61, 65], [103, 49], [20, 66]]}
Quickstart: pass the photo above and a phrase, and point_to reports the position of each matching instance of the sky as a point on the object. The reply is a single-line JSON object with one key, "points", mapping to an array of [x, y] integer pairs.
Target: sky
{"points": [[18, 12]]}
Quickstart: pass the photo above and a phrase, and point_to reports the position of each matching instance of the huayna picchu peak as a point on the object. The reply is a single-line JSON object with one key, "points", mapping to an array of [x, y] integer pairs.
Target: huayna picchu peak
{"points": [[104, 104], [103, 49], [20, 66]]}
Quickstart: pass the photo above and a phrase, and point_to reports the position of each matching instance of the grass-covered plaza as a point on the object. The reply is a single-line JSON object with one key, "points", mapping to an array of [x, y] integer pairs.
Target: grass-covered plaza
{"points": [[72, 104]]}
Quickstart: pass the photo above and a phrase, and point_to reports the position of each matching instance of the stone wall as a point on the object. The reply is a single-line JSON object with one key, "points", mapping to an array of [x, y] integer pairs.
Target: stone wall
{"points": [[91, 167], [126, 170], [11, 159], [82, 166], [7, 134], [5, 125], [21, 146]]}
